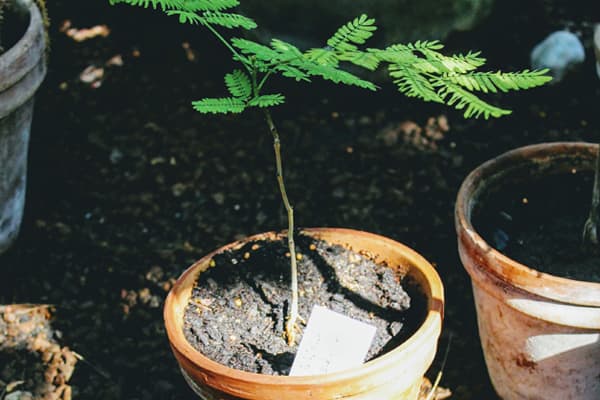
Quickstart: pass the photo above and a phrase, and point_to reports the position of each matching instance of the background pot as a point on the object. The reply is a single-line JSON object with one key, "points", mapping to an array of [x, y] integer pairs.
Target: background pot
{"points": [[397, 375], [540, 333], [22, 69]]}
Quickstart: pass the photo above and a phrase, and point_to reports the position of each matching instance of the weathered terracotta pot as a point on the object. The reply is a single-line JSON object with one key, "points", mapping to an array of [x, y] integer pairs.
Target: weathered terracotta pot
{"points": [[22, 69], [396, 375], [540, 333]]}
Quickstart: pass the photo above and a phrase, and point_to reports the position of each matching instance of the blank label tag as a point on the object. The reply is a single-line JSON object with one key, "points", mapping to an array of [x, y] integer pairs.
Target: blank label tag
{"points": [[332, 342]]}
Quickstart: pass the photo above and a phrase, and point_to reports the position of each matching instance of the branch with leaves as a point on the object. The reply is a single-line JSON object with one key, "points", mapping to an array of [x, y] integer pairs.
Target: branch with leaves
{"points": [[418, 70]]}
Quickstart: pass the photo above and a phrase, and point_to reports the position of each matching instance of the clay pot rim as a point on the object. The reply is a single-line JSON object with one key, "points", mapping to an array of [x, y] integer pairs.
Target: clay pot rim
{"points": [[431, 323], [559, 289], [27, 44]]}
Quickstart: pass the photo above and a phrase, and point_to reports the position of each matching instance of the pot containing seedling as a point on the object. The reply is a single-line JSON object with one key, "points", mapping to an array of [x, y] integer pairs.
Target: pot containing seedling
{"points": [[294, 315], [536, 283], [22, 69]]}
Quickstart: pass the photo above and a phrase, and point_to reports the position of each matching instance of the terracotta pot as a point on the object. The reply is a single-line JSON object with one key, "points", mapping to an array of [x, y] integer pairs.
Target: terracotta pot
{"points": [[540, 333], [396, 375], [22, 69]]}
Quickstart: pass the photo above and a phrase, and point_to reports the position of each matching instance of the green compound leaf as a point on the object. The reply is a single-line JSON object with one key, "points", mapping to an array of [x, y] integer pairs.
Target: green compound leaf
{"points": [[461, 99], [238, 84], [267, 100], [226, 20], [209, 5], [219, 106], [354, 32], [412, 83], [261, 52], [322, 56]]}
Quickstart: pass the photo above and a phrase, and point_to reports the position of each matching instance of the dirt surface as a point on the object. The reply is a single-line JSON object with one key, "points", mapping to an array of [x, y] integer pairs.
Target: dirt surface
{"points": [[128, 186], [237, 311], [540, 224]]}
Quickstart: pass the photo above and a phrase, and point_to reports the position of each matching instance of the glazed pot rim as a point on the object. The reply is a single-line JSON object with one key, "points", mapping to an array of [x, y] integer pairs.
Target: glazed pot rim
{"points": [[430, 325], [494, 262]]}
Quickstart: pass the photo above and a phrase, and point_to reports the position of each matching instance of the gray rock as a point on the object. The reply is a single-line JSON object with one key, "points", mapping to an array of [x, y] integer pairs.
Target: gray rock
{"points": [[311, 22], [560, 52]]}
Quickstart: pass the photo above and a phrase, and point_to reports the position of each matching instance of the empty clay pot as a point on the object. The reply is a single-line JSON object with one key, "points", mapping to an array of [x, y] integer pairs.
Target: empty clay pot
{"points": [[22, 69], [396, 375], [540, 333]]}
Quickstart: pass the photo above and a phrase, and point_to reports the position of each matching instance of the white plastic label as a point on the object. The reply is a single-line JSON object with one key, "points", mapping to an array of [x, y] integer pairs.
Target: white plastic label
{"points": [[331, 342]]}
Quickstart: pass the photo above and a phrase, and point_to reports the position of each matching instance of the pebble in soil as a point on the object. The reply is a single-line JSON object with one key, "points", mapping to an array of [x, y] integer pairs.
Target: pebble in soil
{"points": [[237, 310], [539, 223]]}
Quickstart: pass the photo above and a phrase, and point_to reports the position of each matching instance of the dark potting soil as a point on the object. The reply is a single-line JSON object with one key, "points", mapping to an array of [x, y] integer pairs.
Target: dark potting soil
{"points": [[540, 224], [237, 311]]}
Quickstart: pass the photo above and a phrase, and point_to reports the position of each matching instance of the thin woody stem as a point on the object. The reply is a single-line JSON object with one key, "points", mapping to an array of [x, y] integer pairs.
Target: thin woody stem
{"points": [[590, 229], [290, 325]]}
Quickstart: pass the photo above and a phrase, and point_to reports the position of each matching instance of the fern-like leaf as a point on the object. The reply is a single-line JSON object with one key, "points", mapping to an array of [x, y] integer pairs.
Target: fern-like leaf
{"points": [[219, 106], [360, 58], [461, 99], [187, 17], [292, 72], [419, 45], [354, 32], [335, 75], [502, 81], [249, 47], [267, 100], [239, 84], [322, 56], [208, 5], [412, 83], [228, 20]]}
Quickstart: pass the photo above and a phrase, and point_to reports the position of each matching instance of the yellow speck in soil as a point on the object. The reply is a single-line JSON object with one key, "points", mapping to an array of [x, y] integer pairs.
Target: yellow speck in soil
{"points": [[574, 171], [349, 150], [525, 200], [212, 263], [312, 247], [288, 255], [298, 256], [246, 255], [238, 302], [255, 247]]}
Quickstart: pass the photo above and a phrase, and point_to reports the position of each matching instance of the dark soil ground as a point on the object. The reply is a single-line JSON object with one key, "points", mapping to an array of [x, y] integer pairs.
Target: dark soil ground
{"points": [[238, 308], [128, 185]]}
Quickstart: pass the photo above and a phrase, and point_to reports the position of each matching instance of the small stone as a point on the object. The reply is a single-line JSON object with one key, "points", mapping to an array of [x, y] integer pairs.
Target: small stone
{"points": [[246, 255], [559, 52]]}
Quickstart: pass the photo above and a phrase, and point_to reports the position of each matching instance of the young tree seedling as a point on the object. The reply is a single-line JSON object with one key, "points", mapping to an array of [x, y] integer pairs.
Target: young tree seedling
{"points": [[418, 69]]}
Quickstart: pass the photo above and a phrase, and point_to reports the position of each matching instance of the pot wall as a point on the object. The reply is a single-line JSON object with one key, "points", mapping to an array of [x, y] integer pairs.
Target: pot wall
{"points": [[22, 69], [396, 375], [540, 333]]}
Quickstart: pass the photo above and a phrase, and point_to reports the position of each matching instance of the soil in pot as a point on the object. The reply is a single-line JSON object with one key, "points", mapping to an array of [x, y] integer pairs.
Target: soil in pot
{"points": [[539, 223], [12, 28], [237, 309]]}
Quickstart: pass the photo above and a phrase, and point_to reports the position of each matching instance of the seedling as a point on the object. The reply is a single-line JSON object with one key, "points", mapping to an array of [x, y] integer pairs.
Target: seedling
{"points": [[417, 69]]}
